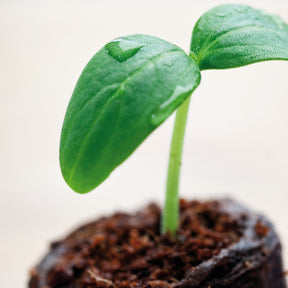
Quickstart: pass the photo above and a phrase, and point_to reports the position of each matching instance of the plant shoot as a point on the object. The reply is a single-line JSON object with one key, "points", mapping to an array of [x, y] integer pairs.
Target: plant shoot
{"points": [[134, 83]]}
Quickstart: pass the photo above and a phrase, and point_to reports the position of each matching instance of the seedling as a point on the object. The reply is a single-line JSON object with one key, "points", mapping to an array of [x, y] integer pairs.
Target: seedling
{"points": [[136, 82]]}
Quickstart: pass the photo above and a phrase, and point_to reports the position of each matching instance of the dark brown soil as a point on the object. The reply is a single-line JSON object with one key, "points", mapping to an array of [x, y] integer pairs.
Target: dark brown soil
{"points": [[218, 244]]}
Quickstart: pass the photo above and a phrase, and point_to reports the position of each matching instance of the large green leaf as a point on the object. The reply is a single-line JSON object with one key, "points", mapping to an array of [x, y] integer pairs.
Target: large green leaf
{"points": [[231, 35], [127, 90]]}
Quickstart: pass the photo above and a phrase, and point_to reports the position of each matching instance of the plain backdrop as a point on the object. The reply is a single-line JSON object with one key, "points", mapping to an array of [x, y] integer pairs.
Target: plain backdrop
{"points": [[236, 141]]}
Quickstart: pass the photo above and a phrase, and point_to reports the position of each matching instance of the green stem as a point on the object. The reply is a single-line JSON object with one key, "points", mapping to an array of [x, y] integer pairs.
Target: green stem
{"points": [[171, 209]]}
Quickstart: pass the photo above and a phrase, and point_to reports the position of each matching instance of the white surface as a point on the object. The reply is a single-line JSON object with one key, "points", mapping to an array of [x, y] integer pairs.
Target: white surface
{"points": [[237, 134]]}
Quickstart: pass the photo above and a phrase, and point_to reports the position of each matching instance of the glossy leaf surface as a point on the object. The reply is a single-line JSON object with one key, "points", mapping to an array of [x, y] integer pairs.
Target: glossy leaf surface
{"points": [[127, 90], [232, 35]]}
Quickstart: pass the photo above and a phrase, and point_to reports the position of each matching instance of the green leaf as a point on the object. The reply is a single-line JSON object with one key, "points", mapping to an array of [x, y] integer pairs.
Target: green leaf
{"points": [[127, 90], [236, 35]]}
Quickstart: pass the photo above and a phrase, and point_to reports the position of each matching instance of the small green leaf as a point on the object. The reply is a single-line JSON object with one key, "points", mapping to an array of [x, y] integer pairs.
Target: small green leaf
{"points": [[231, 35], [127, 90]]}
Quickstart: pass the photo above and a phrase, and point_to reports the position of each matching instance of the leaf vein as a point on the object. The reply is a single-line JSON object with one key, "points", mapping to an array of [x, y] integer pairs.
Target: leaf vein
{"points": [[228, 32]]}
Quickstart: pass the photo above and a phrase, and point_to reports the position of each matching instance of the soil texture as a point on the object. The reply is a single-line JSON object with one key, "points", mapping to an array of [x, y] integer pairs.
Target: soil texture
{"points": [[219, 244]]}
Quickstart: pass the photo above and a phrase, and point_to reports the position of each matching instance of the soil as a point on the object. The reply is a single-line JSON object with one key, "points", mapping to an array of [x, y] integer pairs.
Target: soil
{"points": [[219, 244]]}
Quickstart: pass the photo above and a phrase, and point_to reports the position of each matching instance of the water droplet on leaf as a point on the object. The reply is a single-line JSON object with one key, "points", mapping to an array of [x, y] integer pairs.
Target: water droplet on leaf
{"points": [[221, 15], [166, 108], [239, 10], [122, 49]]}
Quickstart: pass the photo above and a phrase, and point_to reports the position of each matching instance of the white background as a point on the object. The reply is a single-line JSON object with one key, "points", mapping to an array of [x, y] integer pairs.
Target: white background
{"points": [[237, 134]]}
